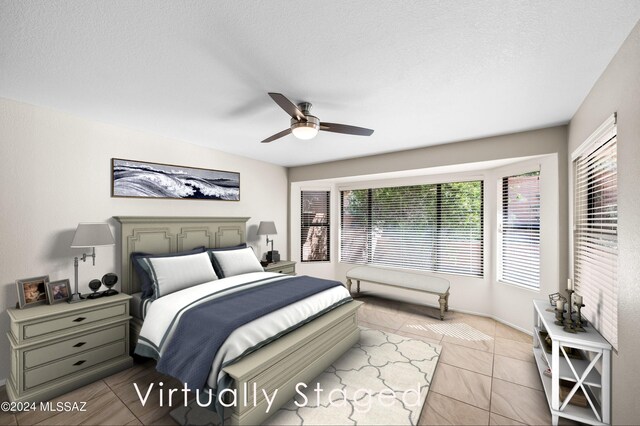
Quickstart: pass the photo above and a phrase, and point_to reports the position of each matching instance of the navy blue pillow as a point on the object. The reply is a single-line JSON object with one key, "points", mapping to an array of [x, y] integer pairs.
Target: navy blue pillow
{"points": [[144, 277], [216, 266]]}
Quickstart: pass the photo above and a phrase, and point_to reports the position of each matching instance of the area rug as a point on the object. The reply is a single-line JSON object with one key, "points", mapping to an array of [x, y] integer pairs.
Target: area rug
{"points": [[383, 379]]}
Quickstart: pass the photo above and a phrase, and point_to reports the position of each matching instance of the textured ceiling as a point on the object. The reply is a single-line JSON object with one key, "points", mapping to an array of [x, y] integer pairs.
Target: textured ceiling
{"points": [[418, 72]]}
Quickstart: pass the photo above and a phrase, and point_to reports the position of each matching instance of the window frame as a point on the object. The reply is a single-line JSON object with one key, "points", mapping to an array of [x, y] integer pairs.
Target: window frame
{"points": [[327, 225], [520, 169], [435, 180]]}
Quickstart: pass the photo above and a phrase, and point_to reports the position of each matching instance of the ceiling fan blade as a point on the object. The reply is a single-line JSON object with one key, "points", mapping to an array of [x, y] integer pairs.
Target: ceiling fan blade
{"points": [[277, 136], [344, 128], [289, 107]]}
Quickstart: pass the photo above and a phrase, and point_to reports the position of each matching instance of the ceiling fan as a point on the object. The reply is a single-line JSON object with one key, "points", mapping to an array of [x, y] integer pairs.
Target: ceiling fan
{"points": [[306, 126]]}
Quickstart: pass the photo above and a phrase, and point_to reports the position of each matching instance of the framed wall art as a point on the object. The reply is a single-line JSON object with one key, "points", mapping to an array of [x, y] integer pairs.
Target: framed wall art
{"points": [[139, 179], [32, 291]]}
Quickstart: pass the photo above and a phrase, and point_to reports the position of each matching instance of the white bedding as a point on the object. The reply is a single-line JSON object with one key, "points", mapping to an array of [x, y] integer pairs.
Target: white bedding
{"points": [[159, 322]]}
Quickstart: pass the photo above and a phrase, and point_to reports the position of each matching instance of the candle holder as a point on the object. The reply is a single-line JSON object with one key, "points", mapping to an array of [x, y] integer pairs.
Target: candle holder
{"points": [[559, 316], [579, 324]]}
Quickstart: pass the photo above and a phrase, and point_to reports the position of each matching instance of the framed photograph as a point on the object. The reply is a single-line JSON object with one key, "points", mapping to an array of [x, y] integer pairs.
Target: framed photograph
{"points": [[139, 179], [32, 291], [58, 291]]}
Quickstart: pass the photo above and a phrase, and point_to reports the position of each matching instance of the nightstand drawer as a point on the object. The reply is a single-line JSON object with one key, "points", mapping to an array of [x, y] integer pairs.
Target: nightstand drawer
{"points": [[73, 364], [45, 354], [65, 323], [284, 270]]}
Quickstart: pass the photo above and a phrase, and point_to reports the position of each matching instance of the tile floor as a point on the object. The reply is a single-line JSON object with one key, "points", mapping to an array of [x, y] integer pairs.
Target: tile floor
{"points": [[492, 381]]}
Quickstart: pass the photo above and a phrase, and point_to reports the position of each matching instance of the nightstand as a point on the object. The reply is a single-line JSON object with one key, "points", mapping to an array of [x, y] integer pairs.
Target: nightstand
{"points": [[61, 347], [282, 267]]}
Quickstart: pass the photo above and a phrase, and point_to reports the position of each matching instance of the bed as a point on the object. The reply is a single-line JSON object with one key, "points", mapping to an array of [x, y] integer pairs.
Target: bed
{"points": [[297, 356]]}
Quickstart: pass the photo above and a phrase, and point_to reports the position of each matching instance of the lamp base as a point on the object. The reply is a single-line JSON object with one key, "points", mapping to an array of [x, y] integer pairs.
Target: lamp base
{"points": [[75, 297], [273, 256]]}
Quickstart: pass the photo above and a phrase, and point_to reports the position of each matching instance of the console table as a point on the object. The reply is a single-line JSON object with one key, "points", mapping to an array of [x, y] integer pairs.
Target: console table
{"points": [[591, 375]]}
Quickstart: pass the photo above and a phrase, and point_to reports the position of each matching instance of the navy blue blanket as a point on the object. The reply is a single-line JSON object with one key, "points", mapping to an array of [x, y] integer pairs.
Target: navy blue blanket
{"points": [[204, 328]]}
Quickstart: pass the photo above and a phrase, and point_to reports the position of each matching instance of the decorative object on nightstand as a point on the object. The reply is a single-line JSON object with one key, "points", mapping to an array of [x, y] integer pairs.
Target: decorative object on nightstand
{"points": [[89, 235], [58, 348], [58, 291], [95, 285], [282, 267], [269, 228], [109, 280], [32, 291]]}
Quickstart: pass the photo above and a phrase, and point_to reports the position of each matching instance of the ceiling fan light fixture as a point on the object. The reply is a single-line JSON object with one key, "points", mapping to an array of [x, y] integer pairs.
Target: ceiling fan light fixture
{"points": [[305, 130]]}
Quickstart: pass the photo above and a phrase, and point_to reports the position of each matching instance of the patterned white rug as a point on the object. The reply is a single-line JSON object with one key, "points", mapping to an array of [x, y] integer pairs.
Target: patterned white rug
{"points": [[384, 379]]}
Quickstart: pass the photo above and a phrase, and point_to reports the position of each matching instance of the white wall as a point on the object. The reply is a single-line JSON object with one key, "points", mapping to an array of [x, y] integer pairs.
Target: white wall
{"points": [[485, 295], [55, 172], [618, 90]]}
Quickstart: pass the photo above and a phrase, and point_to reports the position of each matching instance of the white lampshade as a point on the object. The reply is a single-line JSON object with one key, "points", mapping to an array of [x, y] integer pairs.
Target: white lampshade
{"points": [[92, 235], [267, 228]]}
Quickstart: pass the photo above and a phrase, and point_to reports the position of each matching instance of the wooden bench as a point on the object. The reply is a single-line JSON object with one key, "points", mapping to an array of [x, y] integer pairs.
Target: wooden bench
{"points": [[407, 280]]}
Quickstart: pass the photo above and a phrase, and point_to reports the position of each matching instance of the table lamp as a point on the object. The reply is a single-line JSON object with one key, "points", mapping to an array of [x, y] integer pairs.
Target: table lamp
{"points": [[89, 235], [269, 228]]}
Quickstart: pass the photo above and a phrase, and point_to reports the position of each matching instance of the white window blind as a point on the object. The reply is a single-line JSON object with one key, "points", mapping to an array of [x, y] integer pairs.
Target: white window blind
{"points": [[520, 230], [315, 226], [595, 225], [436, 227]]}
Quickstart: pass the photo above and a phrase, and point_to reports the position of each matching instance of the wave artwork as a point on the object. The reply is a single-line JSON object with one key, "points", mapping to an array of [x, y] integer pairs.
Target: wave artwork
{"points": [[151, 180]]}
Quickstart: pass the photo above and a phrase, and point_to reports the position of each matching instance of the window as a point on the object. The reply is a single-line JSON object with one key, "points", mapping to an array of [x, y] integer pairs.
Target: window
{"points": [[520, 230], [595, 229], [435, 227], [314, 226]]}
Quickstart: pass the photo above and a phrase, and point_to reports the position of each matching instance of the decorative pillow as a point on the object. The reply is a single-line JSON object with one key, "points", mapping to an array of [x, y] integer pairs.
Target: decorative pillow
{"points": [[143, 272], [171, 274], [236, 262], [213, 261]]}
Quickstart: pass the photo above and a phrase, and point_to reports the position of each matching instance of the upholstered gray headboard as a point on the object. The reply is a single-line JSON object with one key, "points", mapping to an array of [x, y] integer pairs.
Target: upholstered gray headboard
{"points": [[163, 234]]}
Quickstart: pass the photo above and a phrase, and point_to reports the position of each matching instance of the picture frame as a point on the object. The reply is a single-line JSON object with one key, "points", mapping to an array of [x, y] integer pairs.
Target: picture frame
{"points": [[32, 291], [58, 291], [142, 179]]}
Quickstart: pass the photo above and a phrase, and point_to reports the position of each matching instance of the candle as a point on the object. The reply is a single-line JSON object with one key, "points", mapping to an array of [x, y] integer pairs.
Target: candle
{"points": [[560, 305], [578, 299], [569, 284]]}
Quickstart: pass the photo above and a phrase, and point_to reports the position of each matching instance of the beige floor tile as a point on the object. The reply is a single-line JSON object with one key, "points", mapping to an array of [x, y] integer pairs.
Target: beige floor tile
{"points": [[87, 394], [516, 371], [442, 410], [483, 324], [418, 327], [498, 420], [106, 409], [166, 419], [8, 419], [376, 327], [463, 385], [467, 358], [407, 333], [519, 402], [510, 333], [481, 345], [135, 422], [374, 316], [513, 349]]}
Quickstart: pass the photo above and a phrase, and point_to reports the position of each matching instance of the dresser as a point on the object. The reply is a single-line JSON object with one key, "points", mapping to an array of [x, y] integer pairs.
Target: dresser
{"points": [[61, 347], [282, 267]]}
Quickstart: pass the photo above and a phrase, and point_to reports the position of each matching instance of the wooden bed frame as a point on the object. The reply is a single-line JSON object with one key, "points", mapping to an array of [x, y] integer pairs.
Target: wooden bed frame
{"points": [[299, 356]]}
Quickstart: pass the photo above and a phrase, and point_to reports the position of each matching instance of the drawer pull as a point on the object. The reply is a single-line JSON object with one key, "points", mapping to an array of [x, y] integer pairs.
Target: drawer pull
{"points": [[79, 344], [79, 319], [80, 362]]}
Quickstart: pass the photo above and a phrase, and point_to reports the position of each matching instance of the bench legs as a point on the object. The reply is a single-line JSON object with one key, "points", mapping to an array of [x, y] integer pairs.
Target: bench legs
{"points": [[443, 305], [349, 285], [446, 301]]}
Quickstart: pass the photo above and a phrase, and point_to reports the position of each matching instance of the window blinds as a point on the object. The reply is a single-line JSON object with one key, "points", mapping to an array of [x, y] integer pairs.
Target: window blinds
{"points": [[436, 227], [520, 230], [595, 230], [315, 226]]}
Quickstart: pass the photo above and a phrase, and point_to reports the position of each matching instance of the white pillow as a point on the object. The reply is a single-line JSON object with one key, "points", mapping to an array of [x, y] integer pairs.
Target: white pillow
{"points": [[171, 274], [236, 262]]}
